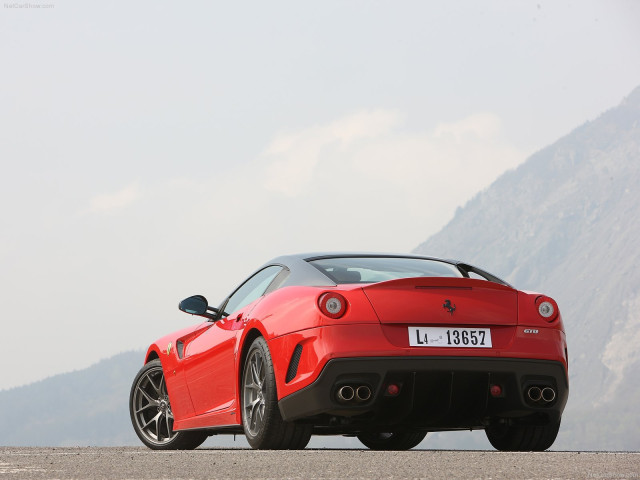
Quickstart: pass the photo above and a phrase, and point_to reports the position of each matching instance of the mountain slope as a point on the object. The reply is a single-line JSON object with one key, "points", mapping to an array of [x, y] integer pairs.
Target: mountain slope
{"points": [[86, 407], [567, 223]]}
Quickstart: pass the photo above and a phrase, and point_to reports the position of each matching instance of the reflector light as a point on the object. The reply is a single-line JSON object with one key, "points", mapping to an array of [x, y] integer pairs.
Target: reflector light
{"points": [[393, 389], [496, 390], [333, 305], [547, 308]]}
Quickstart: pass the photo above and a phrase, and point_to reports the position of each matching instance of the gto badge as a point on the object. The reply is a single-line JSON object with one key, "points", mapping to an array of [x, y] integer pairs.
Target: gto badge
{"points": [[531, 330], [448, 307], [169, 348]]}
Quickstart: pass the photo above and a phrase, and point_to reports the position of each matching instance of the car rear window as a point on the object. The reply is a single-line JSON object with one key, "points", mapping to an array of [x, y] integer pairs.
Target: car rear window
{"points": [[379, 269]]}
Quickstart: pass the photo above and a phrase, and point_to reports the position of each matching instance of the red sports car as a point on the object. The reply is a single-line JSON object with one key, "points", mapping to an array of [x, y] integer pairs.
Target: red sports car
{"points": [[382, 347]]}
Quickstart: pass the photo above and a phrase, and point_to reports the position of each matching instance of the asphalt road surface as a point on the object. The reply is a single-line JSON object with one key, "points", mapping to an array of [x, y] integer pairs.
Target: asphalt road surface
{"points": [[142, 464]]}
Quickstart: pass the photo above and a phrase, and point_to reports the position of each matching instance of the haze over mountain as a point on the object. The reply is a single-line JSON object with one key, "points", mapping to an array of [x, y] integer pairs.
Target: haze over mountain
{"points": [[566, 223]]}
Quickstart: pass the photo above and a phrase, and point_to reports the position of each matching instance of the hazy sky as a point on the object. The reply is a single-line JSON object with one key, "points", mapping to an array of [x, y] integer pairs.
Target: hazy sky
{"points": [[152, 150]]}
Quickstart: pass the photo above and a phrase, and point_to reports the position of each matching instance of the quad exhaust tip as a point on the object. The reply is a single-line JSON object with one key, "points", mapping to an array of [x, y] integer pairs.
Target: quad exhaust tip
{"points": [[548, 394], [353, 393], [535, 394], [541, 394], [363, 393], [346, 393]]}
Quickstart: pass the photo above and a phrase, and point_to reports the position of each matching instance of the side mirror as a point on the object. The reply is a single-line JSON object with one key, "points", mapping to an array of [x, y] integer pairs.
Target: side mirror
{"points": [[197, 305]]}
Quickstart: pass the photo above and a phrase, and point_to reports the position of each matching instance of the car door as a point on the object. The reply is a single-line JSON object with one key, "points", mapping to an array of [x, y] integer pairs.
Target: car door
{"points": [[210, 358]]}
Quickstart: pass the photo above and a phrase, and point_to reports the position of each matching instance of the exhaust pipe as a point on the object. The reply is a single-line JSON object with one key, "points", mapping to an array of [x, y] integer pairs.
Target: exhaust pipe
{"points": [[535, 394], [548, 394], [345, 393], [363, 393]]}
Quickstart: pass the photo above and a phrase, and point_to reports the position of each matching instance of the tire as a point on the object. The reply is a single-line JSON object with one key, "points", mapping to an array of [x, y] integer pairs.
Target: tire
{"points": [[392, 440], [522, 438], [151, 414], [263, 425]]}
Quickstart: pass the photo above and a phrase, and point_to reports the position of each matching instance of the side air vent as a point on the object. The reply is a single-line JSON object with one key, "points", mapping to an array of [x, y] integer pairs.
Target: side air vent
{"points": [[180, 348], [293, 365]]}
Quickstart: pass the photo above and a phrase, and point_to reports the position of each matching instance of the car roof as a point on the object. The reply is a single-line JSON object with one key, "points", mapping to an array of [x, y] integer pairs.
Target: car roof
{"points": [[303, 273], [348, 254]]}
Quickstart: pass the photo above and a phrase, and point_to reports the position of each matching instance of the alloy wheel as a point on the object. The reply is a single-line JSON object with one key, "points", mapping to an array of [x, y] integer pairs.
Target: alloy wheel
{"points": [[151, 408], [254, 392]]}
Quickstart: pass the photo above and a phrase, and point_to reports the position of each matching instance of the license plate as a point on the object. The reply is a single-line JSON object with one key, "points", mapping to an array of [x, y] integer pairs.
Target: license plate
{"points": [[449, 337]]}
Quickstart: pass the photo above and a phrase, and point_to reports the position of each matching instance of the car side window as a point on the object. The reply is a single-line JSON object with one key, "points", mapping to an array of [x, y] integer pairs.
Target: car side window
{"points": [[251, 290]]}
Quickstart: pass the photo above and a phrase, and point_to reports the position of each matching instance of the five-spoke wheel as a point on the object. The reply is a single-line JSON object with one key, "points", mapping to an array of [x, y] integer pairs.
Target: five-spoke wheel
{"points": [[254, 393], [263, 425], [151, 413]]}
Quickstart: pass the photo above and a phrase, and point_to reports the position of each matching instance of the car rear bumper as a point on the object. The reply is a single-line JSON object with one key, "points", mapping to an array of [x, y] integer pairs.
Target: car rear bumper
{"points": [[436, 393]]}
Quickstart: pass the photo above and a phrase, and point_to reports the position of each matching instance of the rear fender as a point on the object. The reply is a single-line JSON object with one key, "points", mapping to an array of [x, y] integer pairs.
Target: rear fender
{"points": [[528, 312], [292, 309]]}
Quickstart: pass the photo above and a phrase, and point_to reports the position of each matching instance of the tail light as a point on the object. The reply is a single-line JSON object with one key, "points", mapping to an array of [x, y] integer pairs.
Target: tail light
{"points": [[547, 308], [333, 305]]}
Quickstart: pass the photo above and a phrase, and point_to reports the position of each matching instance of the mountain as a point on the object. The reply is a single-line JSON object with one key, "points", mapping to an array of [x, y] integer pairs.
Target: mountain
{"points": [[82, 408], [567, 223]]}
